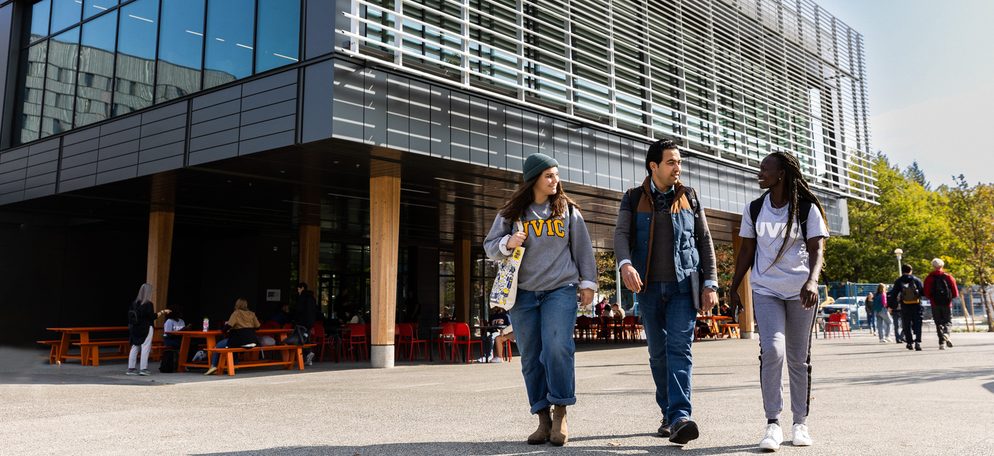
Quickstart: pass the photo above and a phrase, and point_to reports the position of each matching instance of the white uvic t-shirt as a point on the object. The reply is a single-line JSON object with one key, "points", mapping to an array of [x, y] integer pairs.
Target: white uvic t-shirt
{"points": [[785, 278]]}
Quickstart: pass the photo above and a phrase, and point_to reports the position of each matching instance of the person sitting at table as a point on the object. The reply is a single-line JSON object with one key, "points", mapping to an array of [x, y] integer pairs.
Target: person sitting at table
{"points": [[141, 317], [507, 333], [241, 326], [173, 323], [498, 321], [618, 315], [601, 307]]}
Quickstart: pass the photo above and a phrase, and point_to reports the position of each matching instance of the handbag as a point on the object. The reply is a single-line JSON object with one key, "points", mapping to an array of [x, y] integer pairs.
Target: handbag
{"points": [[505, 288]]}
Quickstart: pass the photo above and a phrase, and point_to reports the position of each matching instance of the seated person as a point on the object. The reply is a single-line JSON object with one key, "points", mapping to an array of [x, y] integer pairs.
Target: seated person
{"points": [[618, 314], [505, 334], [241, 327], [173, 323], [499, 320]]}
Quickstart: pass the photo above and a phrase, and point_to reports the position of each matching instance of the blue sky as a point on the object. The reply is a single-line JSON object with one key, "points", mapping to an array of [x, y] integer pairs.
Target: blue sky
{"points": [[930, 67]]}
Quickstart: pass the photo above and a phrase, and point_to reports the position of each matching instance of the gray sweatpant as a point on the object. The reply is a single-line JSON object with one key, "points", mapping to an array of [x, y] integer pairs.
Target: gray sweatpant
{"points": [[784, 331]]}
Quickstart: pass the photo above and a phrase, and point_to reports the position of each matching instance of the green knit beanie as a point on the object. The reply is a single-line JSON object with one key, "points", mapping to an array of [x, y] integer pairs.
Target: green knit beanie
{"points": [[535, 164]]}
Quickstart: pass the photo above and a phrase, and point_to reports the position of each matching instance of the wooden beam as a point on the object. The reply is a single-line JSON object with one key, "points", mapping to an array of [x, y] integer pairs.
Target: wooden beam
{"points": [[463, 266], [161, 217], [309, 253], [384, 234]]}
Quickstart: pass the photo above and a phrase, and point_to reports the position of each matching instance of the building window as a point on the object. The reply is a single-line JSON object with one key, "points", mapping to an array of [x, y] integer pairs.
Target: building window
{"points": [[128, 60]]}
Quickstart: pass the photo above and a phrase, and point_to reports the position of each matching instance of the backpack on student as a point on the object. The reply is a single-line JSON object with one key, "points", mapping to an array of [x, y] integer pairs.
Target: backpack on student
{"points": [[909, 293], [941, 294], [169, 362], [134, 314], [804, 210]]}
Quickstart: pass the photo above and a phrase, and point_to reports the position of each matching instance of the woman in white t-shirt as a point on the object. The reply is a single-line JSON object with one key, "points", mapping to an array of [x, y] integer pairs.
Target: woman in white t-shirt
{"points": [[786, 259]]}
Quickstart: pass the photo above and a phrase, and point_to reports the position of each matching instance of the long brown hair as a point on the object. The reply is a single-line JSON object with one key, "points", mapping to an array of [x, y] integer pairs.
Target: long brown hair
{"points": [[523, 197], [797, 189]]}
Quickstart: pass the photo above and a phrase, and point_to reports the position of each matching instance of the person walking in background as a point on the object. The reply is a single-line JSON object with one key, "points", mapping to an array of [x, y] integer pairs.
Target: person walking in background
{"points": [[783, 236], [880, 311], [870, 317], [662, 242], [141, 317], [908, 291], [558, 261], [940, 288], [304, 316]]}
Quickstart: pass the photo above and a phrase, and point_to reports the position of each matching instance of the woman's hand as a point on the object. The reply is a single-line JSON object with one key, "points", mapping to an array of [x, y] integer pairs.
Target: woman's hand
{"points": [[516, 240], [809, 294]]}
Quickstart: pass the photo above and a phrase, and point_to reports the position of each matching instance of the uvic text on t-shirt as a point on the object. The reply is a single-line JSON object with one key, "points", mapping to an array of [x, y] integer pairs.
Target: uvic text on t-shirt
{"points": [[785, 278]]}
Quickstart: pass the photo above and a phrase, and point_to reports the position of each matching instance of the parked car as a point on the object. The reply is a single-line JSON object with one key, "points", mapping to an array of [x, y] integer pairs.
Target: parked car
{"points": [[852, 305]]}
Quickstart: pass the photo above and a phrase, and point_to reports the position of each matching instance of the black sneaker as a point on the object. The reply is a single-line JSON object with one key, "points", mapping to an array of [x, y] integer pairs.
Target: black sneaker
{"points": [[942, 347], [949, 343], [664, 428], [918, 347], [908, 345], [683, 431]]}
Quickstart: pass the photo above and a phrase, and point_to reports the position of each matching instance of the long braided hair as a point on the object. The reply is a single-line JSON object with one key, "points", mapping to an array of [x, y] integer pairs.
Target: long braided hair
{"points": [[797, 190]]}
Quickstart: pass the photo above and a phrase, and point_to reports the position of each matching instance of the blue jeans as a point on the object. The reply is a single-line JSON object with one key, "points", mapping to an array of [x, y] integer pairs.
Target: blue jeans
{"points": [[223, 343], [668, 316], [543, 324]]}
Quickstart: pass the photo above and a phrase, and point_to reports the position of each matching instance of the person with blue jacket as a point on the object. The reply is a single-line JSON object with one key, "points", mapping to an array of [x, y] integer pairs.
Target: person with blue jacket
{"points": [[557, 264], [662, 242]]}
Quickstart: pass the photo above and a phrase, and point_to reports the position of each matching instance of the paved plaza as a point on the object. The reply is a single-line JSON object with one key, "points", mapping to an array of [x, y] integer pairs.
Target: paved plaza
{"points": [[868, 398]]}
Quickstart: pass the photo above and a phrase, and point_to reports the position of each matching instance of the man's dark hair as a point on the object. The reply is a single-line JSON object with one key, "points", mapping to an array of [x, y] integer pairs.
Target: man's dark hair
{"points": [[655, 152], [302, 285], [906, 268]]}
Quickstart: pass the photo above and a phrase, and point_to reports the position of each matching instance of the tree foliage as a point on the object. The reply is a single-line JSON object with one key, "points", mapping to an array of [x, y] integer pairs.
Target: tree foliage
{"points": [[971, 211], [908, 217]]}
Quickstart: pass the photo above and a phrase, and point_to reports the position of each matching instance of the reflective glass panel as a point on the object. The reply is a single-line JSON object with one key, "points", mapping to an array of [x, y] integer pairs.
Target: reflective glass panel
{"points": [[33, 66], [278, 35], [96, 69], [94, 7], [39, 19], [65, 13], [135, 69], [230, 24], [181, 41], [60, 83]]}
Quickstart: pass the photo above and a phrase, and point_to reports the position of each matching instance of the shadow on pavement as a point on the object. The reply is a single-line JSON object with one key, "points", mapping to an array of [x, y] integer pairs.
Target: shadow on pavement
{"points": [[488, 449]]}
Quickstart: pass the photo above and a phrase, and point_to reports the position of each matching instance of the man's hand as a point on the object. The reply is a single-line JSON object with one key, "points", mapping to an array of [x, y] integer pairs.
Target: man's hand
{"points": [[809, 294], [709, 299], [586, 296], [631, 278], [734, 301]]}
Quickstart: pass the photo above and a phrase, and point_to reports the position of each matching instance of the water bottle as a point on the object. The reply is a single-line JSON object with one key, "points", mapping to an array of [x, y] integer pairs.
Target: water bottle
{"points": [[207, 324]]}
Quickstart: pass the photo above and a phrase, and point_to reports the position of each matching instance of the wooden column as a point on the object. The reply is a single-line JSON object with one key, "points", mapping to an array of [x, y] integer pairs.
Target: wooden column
{"points": [[463, 266], [384, 233], [309, 245], [746, 315], [161, 215]]}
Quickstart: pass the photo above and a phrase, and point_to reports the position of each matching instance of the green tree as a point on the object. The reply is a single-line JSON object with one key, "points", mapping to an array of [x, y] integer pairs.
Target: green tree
{"points": [[606, 279], [907, 216], [917, 174], [971, 212]]}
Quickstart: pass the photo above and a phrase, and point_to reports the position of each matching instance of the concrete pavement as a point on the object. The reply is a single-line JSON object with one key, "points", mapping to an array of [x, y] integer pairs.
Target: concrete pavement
{"points": [[868, 398]]}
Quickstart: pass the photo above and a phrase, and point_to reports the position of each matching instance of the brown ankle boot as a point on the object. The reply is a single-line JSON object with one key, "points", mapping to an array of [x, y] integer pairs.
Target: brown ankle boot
{"points": [[541, 435], [560, 431]]}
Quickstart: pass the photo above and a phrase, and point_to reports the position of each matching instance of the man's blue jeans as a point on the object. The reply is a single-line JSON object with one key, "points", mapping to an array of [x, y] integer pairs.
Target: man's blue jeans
{"points": [[668, 316], [543, 323]]}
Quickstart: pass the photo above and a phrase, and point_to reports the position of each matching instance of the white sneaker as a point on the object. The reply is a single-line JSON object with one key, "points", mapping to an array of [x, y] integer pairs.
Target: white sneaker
{"points": [[801, 436], [496, 359], [773, 438], [310, 359]]}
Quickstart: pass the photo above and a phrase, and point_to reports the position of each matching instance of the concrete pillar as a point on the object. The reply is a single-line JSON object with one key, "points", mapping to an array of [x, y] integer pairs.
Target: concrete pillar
{"points": [[161, 216], [384, 233], [746, 315], [309, 245]]}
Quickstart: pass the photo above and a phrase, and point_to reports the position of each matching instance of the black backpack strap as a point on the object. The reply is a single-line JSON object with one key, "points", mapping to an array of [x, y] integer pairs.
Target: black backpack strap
{"points": [[634, 195], [805, 211], [754, 208]]}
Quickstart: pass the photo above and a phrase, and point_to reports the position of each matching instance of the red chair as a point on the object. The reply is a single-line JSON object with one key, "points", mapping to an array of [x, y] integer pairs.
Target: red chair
{"points": [[319, 337], [356, 342], [456, 334], [631, 327], [407, 337], [838, 322]]}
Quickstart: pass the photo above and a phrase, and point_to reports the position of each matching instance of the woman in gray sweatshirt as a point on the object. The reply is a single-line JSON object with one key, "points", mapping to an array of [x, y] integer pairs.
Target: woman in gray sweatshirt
{"points": [[558, 260]]}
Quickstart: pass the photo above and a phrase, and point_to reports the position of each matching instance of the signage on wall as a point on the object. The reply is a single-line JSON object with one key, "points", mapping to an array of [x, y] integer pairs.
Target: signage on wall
{"points": [[272, 295]]}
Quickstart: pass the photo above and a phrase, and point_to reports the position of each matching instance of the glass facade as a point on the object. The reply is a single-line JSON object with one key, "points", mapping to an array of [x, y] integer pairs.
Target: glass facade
{"points": [[734, 79], [84, 61]]}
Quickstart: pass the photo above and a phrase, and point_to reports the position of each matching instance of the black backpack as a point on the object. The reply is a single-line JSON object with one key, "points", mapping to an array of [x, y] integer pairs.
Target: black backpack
{"points": [[941, 293], [909, 293], [134, 314], [169, 362]]}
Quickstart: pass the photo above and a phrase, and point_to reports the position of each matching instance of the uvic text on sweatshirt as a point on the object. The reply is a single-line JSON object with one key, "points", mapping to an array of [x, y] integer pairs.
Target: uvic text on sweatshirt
{"points": [[547, 264]]}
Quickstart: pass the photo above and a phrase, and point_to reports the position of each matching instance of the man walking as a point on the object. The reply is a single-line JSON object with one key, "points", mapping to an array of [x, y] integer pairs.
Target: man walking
{"points": [[662, 243], [908, 291], [940, 288]]}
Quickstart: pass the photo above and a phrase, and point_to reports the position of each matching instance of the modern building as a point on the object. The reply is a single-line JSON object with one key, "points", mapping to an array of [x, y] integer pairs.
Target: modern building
{"points": [[225, 148]]}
